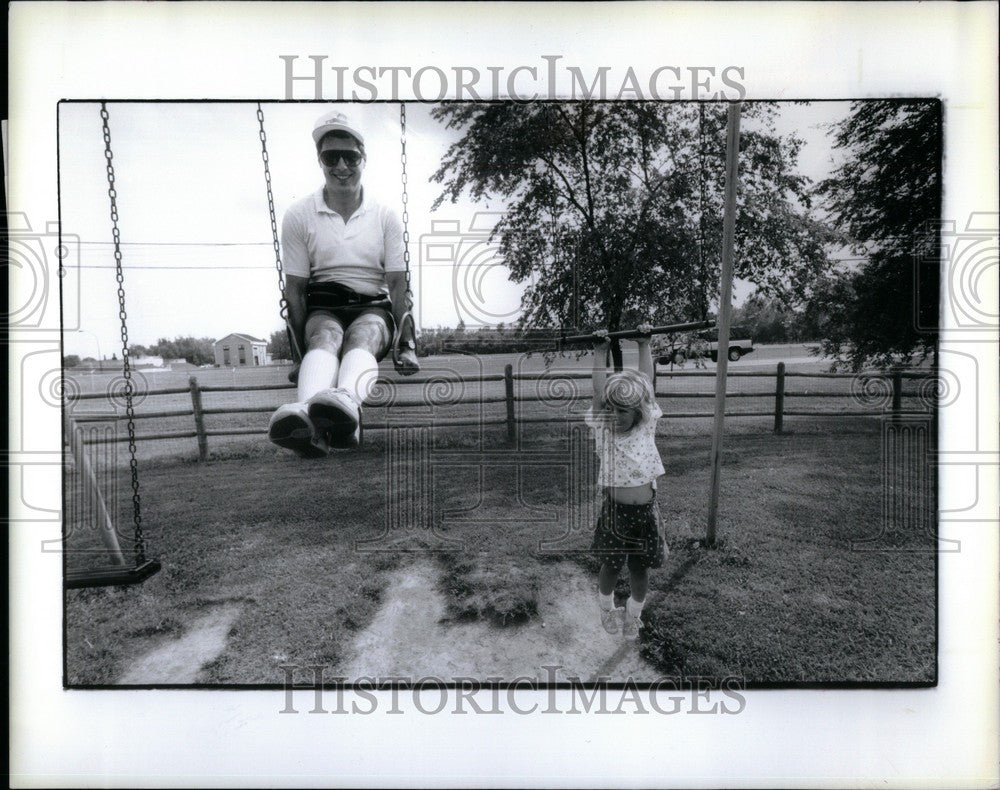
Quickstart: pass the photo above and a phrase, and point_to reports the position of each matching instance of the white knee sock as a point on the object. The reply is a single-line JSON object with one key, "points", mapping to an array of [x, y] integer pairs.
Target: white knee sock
{"points": [[634, 607], [317, 372], [358, 373], [605, 601]]}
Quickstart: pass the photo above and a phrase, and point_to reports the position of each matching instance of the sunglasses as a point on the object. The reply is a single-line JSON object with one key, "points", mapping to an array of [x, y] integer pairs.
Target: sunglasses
{"points": [[351, 158]]}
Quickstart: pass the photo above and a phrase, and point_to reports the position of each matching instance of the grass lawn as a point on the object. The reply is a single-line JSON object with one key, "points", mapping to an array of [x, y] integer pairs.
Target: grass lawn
{"points": [[305, 550]]}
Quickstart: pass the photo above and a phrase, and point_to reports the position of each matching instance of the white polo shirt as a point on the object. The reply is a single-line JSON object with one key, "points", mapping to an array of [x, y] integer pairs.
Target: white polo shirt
{"points": [[317, 244]]}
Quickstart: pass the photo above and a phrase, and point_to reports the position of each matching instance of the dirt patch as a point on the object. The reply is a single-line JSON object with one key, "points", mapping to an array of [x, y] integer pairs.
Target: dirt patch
{"points": [[411, 637], [180, 660]]}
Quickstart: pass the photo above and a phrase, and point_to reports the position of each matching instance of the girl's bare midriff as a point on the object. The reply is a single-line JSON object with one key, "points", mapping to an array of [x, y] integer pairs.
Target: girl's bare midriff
{"points": [[632, 495]]}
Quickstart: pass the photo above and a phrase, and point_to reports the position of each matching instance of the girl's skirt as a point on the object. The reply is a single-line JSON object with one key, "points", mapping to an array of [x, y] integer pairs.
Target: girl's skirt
{"points": [[629, 533]]}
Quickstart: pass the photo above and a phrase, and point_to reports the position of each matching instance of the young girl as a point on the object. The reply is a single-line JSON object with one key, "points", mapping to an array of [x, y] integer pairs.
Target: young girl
{"points": [[623, 417]]}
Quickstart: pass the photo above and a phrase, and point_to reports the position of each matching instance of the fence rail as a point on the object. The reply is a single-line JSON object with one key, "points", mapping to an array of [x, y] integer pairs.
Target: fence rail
{"points": [[892, 393]]}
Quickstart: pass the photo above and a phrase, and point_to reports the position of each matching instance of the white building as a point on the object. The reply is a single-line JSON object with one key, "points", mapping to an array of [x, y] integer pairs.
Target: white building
{"points": [[238, 350]]}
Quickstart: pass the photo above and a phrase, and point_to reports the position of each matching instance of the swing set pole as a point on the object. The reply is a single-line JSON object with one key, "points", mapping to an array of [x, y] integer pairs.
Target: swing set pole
{"points": [[725, 308]]}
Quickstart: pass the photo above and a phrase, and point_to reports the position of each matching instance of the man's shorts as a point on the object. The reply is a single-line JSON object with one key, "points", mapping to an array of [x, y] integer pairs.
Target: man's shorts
{"points": [[629, 533], [346, 307]]}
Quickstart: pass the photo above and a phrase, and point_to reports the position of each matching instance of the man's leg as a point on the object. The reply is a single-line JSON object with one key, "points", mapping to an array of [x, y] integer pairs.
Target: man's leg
{"points": [[337, 411], [367, 339], [324, 339], [291, 426]]}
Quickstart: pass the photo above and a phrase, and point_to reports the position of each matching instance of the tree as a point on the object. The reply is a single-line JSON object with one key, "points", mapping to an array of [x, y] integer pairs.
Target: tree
{"points": [[278, 346], [770, 320], [614, 210], [71, 361], [197, 351], [887, 195]]}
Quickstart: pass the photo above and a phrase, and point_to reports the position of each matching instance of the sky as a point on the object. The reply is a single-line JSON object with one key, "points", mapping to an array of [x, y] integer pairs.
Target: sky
{"points": [[195, 228]]}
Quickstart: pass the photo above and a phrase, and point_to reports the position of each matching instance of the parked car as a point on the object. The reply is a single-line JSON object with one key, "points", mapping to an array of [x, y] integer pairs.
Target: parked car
{"points": [[706, 344]]}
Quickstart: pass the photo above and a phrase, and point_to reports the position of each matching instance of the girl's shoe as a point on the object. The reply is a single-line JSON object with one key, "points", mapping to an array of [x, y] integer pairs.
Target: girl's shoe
{"points": [[611, 619], [630, 626]]}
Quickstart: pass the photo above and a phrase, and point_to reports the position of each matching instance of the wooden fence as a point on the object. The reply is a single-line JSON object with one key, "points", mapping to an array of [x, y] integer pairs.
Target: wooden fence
{"points": [[888, 387]]}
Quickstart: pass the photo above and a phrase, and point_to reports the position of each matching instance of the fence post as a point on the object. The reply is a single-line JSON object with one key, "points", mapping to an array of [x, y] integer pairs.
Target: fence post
{"points": [[779, 398], [199, 419], [508, 381], [897, 393]]}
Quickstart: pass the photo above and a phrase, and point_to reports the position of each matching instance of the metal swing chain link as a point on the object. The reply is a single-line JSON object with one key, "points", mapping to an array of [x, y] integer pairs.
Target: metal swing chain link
{"points": [[140, 543], [406, 213], [282, 302]]}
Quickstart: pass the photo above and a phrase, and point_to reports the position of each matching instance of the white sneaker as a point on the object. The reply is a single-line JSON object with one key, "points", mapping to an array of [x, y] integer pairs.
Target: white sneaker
{"points": [[611, 619], [291, 428], [336, 416]]}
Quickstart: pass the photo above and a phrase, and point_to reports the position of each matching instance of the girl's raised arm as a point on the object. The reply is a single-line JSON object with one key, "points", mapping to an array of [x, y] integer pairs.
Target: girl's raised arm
{"points": [[601, 347], [645, 354]]}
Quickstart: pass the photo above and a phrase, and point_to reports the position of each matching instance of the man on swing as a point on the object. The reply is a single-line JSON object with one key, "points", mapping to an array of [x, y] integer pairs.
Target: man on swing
{"points": [[347, 294]]}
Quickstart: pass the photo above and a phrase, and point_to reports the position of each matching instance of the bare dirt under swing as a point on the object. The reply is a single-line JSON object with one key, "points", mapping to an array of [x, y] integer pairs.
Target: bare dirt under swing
{"points": [[410, 636]]}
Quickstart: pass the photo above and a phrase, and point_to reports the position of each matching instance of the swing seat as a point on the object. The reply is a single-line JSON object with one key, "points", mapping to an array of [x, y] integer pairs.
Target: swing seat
{"points": [[404, 349], [111, 576], [118, 574]]}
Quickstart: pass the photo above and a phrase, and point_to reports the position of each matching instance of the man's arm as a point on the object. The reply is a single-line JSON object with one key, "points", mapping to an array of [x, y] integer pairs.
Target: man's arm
{"points": [[295, 257], [404, 355], [295, 296], [395, 260], [401, 302]]}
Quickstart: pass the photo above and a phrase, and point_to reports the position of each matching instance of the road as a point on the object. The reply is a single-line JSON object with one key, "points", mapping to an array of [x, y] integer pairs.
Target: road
{"points": [[762, 356], [772, 355]]}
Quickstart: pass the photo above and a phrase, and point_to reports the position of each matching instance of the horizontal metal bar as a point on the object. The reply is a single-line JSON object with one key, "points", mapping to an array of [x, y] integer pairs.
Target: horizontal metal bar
{"points": [[625, 334]]}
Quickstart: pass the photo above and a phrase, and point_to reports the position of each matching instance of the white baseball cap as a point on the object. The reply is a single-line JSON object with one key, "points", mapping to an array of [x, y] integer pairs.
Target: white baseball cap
{"points": [[336, 121]]}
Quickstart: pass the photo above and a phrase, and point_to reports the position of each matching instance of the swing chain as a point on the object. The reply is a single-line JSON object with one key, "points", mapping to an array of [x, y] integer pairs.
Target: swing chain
{"points": [[282, 302], [406, 213], [129, 388]]}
